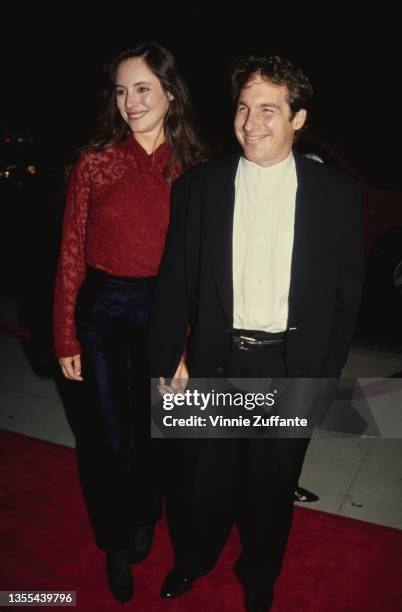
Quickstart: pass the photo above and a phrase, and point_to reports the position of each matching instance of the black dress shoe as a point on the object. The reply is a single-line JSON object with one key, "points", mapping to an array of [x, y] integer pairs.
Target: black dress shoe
{"points": [[119, 576], [303, 495], [175, 584], [258, 600], [143, 538]]}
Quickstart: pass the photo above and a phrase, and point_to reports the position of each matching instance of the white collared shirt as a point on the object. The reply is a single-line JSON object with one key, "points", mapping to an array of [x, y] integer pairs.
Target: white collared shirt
{"points": [[263, 232]]}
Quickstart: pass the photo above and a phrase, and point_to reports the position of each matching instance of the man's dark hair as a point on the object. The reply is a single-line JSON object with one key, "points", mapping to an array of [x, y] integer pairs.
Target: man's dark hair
{"points": [[277, 70]]}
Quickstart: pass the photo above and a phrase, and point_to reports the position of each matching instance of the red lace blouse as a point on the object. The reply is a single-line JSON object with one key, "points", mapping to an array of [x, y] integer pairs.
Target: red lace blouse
{"points": [[116, 218]]}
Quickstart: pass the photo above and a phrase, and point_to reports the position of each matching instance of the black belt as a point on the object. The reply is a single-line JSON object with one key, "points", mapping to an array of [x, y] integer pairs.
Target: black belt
{"points": [[245, 340]]}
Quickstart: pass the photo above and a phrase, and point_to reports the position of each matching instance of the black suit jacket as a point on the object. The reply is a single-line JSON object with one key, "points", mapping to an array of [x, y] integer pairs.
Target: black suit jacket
{"points": [[195, 284]]}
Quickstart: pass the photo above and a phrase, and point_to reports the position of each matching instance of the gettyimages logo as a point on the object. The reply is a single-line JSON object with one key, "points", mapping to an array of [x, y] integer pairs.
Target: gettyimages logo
{"points": [[284, 407], [203, 401]]}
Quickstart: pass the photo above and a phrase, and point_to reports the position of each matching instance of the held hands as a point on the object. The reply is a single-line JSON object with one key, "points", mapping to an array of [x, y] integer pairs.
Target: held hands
{"points": [[71, 367], [178, 383]]}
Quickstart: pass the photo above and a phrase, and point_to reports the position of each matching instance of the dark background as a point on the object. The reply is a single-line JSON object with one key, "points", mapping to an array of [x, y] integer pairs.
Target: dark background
{"points": [[52, 72], [52, 68]]}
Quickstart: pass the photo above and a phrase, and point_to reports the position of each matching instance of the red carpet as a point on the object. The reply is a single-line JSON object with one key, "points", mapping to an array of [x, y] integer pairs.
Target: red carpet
{"points": [[333, 564]]}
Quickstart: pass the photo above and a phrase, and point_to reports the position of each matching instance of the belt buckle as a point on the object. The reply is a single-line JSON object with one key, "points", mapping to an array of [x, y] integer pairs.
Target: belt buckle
{"points": [[249, 339], [238, 341], [244, 343]]}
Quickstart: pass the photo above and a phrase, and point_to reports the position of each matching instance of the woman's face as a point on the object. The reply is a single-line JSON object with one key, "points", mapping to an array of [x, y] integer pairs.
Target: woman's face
{"points": [[142, 102]]}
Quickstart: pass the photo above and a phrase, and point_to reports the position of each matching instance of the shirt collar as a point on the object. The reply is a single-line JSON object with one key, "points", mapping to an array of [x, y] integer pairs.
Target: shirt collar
{"points": [[266, 174]]}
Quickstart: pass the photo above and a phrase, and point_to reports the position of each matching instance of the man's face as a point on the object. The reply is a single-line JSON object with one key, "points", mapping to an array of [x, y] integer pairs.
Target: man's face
{"points": [[262, 121]]}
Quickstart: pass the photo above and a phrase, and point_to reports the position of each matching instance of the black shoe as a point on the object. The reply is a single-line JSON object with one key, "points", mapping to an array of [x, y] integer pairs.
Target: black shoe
{"points": [[258, 600], [175, 584], [143, 538], [119, 575], [302, 495]]}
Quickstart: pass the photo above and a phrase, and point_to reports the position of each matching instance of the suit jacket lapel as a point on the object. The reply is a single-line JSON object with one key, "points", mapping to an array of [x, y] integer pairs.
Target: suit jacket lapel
{"points": [[221, 230], [306, 198]]}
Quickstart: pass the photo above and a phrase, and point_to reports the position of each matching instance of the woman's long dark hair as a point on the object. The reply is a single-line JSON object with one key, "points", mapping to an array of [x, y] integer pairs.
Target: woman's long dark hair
{"points": [[180, 128]]}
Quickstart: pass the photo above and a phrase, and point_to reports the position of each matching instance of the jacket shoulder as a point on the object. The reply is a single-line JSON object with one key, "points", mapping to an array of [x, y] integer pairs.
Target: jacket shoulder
{"points": [[339, 190], [326, 174]]}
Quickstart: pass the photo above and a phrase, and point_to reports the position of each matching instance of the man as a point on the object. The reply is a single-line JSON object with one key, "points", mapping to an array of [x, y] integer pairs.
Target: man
{"points": [[264, 262]]}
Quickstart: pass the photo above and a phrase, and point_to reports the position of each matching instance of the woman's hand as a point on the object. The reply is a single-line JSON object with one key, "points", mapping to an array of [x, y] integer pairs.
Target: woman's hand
{"points": [[178, 383], [71, 367]]}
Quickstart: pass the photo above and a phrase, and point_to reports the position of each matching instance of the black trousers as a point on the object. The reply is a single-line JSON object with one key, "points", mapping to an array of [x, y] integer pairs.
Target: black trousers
{"points": [[120, 467], [250, 483]]}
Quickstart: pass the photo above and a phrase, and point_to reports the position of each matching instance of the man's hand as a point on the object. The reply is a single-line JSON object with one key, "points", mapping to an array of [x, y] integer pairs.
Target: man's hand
{"points": [[71, 367], [178, 383]]}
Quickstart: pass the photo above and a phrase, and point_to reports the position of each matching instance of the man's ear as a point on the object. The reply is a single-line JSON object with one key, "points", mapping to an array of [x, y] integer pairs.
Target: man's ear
{"points": [[299, 119]]}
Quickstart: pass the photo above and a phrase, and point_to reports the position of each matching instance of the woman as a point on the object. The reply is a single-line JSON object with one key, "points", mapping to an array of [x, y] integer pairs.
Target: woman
{"points": [[115, 222]]}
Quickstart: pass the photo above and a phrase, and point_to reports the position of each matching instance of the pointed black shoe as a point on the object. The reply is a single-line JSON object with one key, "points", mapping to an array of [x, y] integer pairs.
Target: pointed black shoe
{"points": [[119, 576], [303, 495], [143, 538], [258, 600], [175, 584]]}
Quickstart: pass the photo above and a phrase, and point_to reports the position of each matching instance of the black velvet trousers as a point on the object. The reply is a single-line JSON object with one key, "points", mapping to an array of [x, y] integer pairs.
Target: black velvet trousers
{"points": [[120, 467]]}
